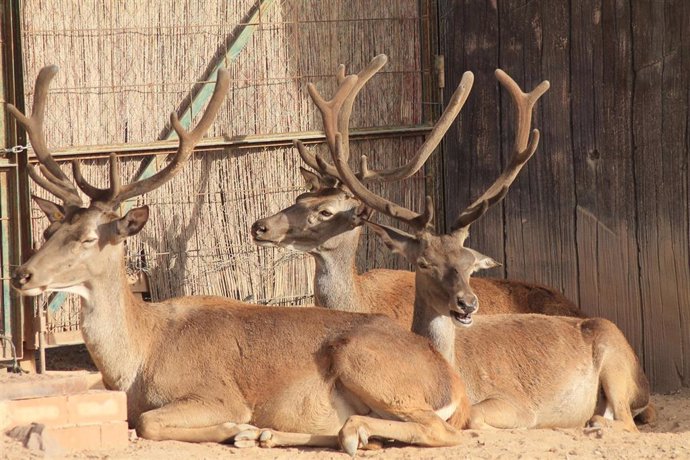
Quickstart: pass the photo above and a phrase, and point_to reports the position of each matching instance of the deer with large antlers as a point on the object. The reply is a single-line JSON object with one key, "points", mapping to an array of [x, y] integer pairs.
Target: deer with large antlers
{"points": [[521, 371], [324, 378], [326, 221]]}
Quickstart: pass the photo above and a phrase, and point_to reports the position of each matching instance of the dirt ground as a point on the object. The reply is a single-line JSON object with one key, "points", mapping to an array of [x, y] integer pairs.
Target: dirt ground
{"points": [[668, 438]]}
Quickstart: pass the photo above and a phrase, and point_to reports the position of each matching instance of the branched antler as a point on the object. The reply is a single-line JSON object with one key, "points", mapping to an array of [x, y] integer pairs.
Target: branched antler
{"points": [[523, 149], [336, 115], [417, 221], [57, 183]]}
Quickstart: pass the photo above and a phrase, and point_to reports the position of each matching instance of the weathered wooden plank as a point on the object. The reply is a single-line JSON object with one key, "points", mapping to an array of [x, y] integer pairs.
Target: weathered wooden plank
{"points": [[473, 144], [660, 152], [685, 71], [601, 88], [539, 217]]}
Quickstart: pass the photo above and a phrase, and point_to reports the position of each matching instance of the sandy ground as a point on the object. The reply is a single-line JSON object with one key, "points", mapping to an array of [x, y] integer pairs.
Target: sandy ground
{"points": [[668, 438]]}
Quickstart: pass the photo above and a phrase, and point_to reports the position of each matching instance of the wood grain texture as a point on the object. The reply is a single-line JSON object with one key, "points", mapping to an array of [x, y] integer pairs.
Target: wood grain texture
{"points": [[601, 104], [539, 207], [661, 160], [473, 144], [602, 212]]}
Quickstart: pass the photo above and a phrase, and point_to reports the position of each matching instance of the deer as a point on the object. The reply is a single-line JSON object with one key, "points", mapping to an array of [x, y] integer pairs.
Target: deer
{"points": [[521, 371], [326, 222], [311, 376]]}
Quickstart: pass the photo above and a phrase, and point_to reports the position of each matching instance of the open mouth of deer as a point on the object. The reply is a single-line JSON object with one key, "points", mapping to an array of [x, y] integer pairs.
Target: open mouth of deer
{"points": [[461, 318]]}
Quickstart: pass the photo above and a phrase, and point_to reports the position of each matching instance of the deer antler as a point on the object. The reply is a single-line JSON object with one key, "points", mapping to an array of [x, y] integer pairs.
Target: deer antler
{"points": [[417, 221], [55, 181], [117, 193], [336, 112], [523, 149], [455, 105], [336, 115]]}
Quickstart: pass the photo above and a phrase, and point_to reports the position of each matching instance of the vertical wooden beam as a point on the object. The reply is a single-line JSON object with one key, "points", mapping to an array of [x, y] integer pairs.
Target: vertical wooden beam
{"points": [[432, 93], [539, 218], [472, 145], [660, 123], [14, 187], [601, 107]]}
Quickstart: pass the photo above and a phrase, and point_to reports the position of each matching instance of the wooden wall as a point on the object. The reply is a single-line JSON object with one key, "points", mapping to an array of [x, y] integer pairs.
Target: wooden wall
{"points": [[602, 211]]}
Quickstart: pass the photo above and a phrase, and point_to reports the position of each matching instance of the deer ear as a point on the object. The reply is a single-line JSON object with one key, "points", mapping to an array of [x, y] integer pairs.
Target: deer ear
{"points": [[53, 211], [397, 241], [483, 262], [312, 180], [132, 222], [362, 215]]}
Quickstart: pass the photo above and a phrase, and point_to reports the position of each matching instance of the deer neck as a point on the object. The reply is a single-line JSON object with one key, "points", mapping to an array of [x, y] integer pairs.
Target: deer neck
{"points": [[428, 322], [335, 276], [112, 322]]}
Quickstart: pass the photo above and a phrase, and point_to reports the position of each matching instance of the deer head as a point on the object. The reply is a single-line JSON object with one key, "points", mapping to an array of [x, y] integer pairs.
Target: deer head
{"points": [[443, 263], [84, 240], [329, 209]]}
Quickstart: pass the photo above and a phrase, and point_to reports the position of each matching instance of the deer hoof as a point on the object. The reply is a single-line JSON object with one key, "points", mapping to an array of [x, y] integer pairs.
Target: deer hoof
{"points": [[353, 436], [266, 439], [363, 436], [350, 445], [254, 437]]}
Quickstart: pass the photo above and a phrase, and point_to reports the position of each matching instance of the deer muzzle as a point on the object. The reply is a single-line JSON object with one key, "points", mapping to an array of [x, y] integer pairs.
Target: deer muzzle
{"points": [[465, 306], [22, 282]]}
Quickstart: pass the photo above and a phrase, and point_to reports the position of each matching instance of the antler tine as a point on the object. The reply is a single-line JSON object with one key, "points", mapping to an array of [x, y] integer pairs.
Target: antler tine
{"points": [[187, 142], [314, 162], [417, 221], [346, 111], [449, 115], [336, 112], [95, 193], [55, 181], [90, 191], [65, 195], [523, 149], [329, 113]]}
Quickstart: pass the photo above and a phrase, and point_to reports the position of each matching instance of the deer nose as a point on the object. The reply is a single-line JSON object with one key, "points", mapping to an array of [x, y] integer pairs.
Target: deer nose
{"points": [[468, 305], [259, 228], [21, 277]]}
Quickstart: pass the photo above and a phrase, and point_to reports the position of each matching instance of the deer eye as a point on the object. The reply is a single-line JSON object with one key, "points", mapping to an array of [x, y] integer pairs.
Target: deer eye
{"points": [[326, 213], [90, 241]]}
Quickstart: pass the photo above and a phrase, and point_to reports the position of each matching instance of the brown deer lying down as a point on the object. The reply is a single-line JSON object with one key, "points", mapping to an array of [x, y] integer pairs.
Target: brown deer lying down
{"points": [[325, 222], [521, 371], [326, 378]]}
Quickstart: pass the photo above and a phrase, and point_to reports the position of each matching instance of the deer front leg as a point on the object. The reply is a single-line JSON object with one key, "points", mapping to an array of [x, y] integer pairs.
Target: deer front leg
{"points": [[498, 414], [265, 437], [193, 421], [422, 428]]}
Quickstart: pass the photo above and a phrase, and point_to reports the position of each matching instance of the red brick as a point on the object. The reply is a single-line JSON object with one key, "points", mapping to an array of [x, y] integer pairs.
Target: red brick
{"points": [[59, 439], [97, 406], [45, 385], [114, 435], [73, 437], [49, 411], [89, 407]]}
